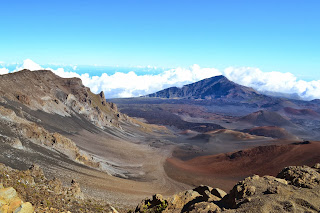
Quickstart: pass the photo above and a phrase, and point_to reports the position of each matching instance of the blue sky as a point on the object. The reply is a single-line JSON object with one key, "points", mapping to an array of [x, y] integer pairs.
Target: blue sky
{"points": [[272, 35], [132, 48]]}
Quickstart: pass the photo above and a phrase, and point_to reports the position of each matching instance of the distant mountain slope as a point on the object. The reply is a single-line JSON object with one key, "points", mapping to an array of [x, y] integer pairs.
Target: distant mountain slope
{"points": [[301, 112], [271, 131], [262, 160], [266, 118], [209, 88]]}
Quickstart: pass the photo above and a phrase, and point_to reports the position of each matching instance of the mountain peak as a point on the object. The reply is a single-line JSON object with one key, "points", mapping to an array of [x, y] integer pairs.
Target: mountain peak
{"points": [[217, 87]]}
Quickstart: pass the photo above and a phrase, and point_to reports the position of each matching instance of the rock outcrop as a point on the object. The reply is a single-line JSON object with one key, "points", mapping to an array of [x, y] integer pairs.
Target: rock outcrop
{"points": [[10, 202], [45, 91], [295, 189], [200, 199], [302, 176], [42, 194]]}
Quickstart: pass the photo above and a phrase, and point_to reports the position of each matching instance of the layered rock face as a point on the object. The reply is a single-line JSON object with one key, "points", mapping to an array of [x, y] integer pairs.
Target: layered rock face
{"points": [[295, 189], [45, 91], [22, 128]]}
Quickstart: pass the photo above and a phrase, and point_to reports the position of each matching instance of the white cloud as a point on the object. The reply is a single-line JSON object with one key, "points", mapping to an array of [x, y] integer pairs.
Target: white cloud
{"points": [[60, 72], [74, 67], [130, 84], [273, 81], [3, 71], [30, 65], [148, 66]]}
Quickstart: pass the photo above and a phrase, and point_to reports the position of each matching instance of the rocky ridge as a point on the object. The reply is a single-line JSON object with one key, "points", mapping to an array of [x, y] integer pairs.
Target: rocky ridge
{"points": [[26, 95], [45, 91], [295, 189]]}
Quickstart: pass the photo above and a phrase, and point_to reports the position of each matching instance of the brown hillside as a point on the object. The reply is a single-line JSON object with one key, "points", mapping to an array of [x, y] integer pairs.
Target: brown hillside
{"points": [[224, 170], [271, 131]]}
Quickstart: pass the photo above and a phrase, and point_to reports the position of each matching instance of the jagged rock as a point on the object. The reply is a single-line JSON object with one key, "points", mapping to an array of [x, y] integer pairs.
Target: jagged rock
{"points": [[103, 98], [204, 207], [23, 98], [113, 106], [316, 166], [300, 176], [75, 190], [37, 173], [250, 187], [206, 193], [218, 192], [10, 202], [56, 186], [180, 200], [156, 202]]}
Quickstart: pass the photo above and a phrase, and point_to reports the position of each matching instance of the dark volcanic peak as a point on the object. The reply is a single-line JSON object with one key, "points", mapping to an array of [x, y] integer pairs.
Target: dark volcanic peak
{"points": [[316, 101], [210, 88], [266, 118]]}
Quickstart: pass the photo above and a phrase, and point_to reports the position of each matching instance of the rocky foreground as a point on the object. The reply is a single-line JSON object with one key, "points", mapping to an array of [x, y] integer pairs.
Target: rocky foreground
{"points": [[42, 194], [295, 189]]}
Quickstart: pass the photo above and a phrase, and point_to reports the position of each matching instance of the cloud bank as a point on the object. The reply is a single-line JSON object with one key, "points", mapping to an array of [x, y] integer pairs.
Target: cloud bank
{"points": [[274, 82], [130, 84], [29, 64], [4, 71]]}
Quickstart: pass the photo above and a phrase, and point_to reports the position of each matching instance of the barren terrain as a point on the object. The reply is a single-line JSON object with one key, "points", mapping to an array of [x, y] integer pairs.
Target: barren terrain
{"points": [[173, 144]]}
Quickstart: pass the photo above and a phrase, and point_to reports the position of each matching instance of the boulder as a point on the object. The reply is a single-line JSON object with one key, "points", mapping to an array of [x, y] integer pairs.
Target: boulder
{"points": [[218, 192], [301, 176], [10, 202], [183, 200], [155, 203], [204, 207]]}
